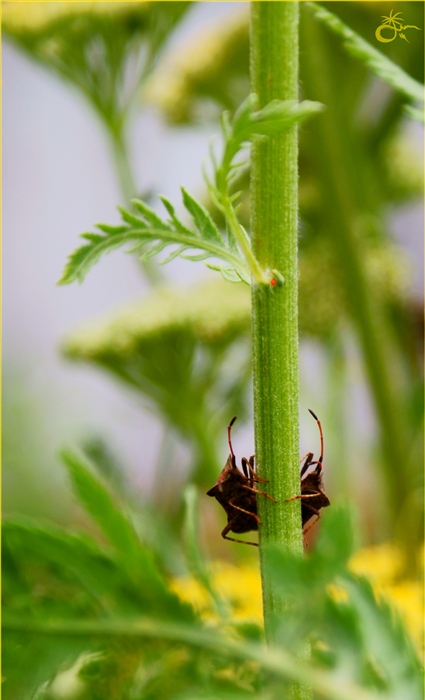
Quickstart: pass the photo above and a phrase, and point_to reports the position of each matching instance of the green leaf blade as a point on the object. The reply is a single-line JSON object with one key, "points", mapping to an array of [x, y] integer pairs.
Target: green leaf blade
{"points": [[203, 221]]}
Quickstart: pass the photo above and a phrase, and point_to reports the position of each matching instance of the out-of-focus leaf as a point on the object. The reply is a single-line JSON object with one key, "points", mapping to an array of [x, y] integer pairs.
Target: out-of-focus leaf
{"points": [[385, 639], [277, 661], [377, 62], [196, 563], [105, 49], [131, 553]]}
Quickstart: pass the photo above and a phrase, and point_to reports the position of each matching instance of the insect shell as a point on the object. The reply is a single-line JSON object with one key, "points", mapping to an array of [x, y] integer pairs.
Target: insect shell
{"points": [[313, 496], [237, 494]]}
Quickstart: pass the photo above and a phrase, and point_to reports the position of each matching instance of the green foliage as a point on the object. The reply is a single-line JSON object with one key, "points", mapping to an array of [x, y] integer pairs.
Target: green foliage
{"points": [[78, 620], [148, 240], [95, 620], [148, 234], [105, 50], [118, 528], [185, 353], [210, 67], [197, 564], [377, 62]]}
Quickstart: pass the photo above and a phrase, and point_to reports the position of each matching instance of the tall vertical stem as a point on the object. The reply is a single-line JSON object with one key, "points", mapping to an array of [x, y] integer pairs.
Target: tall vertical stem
{"points": [[274, 210]]}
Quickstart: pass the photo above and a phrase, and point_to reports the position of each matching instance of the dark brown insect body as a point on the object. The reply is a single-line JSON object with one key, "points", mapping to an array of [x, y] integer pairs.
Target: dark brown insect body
{"points": [[237, 494], [313, 496]]}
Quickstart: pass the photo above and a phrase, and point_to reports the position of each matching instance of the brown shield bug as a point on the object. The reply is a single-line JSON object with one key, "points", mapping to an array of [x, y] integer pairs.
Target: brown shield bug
{"points": [[313, 496], [237, 494]]}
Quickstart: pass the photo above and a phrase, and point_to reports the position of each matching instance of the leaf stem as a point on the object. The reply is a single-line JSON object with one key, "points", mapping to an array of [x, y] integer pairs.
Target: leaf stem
{"points": [[258, 274], [123, 169]]}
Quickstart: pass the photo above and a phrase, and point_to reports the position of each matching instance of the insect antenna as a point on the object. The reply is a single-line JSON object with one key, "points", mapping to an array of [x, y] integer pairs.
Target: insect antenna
{"points": [[320, 460], [229, 440]]}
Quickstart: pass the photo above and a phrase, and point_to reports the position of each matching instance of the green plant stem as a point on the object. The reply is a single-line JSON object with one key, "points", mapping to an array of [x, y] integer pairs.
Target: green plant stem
{"points": [[340, 185], [274, 210], [127, 184], [124, 173]]}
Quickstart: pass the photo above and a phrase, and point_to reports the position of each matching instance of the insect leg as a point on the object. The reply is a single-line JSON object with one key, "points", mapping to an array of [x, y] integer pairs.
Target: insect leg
{"points": [[303, 495], [259, 493], [248, 512], [232, 539], [245, 467], [229, 440], [314, 511], [308, 460], [253, 474]]}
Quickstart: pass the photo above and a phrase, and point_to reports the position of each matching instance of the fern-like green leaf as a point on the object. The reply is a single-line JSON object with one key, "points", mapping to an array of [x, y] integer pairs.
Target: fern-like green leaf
{"points": [[379, 64], [203, 221], [147, 234]]}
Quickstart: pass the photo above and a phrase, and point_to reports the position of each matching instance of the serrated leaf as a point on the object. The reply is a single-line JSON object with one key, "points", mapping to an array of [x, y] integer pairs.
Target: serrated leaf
{"points": [[82, 259], [179, 226], [229, 273], [131, 219], [149, 215], [279, 116], [111, 229], [378, 63], [149, 242], [194, 258], [172, 256], [202, 219], [92, 237]]}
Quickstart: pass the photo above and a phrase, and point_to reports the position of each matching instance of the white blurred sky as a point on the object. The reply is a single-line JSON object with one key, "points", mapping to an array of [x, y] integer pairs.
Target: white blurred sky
{"points": [[58, 180]]}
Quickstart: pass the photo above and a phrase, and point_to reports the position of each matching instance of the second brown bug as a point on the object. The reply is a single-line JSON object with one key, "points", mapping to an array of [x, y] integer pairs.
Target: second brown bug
{"points": [[237, 494], [313, 496]]}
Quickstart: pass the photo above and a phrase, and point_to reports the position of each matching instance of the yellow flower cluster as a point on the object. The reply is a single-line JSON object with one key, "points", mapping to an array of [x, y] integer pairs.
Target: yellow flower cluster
{"points": [[241, 586], [383, 566], [404, 165], [387, 266], [178, 78], [211, 311], [34, 17]]}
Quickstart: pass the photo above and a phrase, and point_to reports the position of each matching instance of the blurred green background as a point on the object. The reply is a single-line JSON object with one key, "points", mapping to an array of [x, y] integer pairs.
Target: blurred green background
{"points": [[157, 82], [141, 368]]}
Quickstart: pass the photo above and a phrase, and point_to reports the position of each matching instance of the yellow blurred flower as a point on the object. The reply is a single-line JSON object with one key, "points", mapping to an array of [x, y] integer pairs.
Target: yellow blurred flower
{"points": [[34, 17], [383, 566], [240, 586], [192, 71], [214, 312]]}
